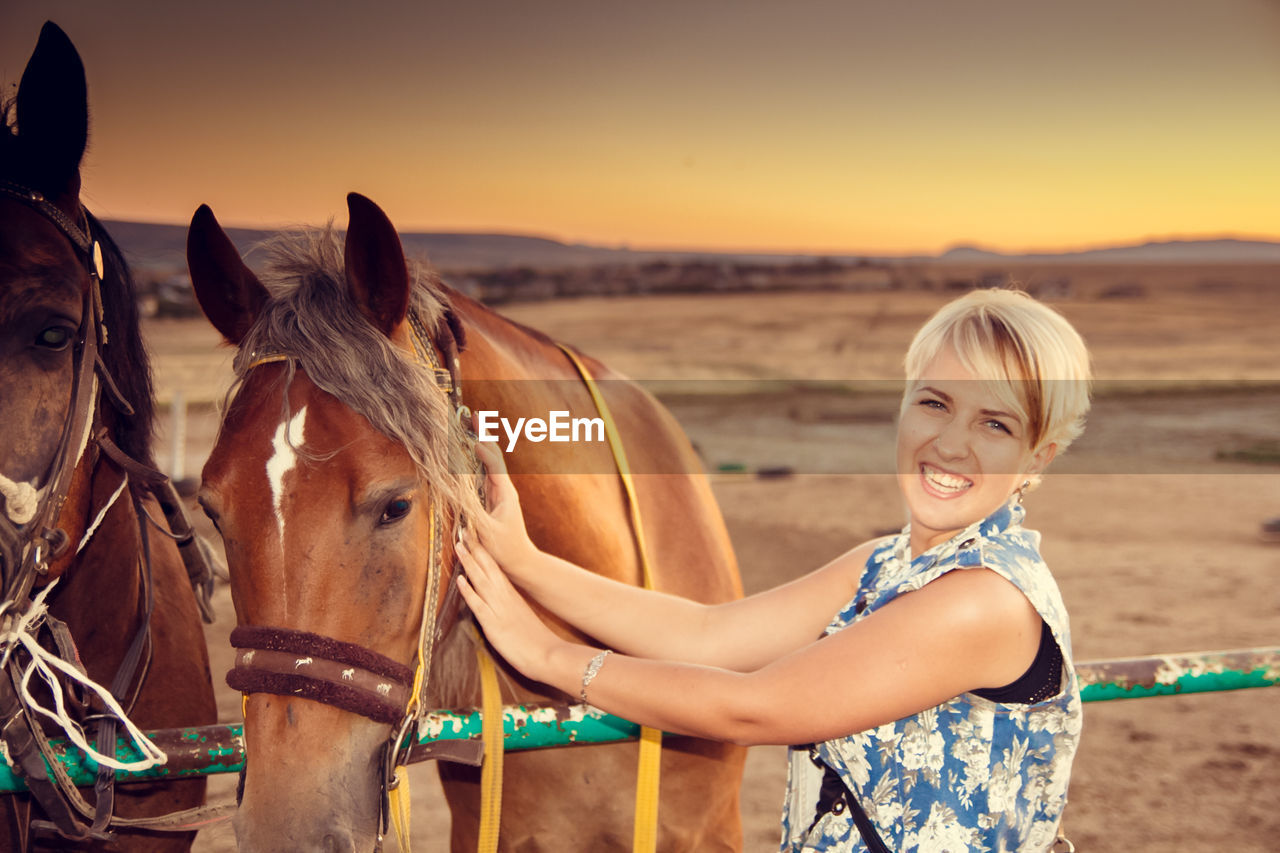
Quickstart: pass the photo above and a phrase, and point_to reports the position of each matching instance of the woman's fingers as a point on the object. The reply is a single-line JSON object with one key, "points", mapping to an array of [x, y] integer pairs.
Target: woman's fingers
{"points": [[486, 577], [473, 600], [498, 487], [473, 544], [505, 617], [491, 457], [502, 528], [476, 570]]}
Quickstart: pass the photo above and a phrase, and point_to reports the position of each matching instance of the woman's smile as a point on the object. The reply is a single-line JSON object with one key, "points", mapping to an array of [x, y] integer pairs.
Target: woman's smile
{"points": [[943, 484], [961, 451]]}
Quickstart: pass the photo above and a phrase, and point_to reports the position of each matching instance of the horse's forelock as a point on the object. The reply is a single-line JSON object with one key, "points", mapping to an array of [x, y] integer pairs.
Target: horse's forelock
{"points": [[312, 318]]}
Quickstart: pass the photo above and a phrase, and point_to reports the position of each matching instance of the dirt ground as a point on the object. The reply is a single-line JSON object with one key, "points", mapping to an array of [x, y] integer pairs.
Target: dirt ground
{"points": [[1153, 537]]}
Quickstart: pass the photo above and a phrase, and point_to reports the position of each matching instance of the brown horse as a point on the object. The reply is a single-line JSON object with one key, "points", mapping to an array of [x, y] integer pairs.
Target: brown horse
{"points": [[337, 450], [76, 475]]}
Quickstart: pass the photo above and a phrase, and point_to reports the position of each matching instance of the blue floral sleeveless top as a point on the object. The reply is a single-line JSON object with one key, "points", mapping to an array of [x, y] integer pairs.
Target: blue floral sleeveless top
{"points": [[971, 775]]}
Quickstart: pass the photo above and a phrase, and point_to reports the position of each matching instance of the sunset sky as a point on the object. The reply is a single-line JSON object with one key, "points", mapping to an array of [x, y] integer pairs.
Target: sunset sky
{"points": [[812, 125]]}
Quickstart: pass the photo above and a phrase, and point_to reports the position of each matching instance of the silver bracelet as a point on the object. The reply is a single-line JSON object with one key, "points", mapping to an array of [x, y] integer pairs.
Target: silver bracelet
{"points": [[592, 670]]}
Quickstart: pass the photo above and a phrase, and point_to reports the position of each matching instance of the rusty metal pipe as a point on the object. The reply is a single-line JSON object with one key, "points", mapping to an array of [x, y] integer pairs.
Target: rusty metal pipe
{"points": [[455, 735]]}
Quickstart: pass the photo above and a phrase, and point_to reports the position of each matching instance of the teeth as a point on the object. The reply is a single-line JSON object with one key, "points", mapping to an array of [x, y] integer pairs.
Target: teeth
{"points": [[943, 481]]}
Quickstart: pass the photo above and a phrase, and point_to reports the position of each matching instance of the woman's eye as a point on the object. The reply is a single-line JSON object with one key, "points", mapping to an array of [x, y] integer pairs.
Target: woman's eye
{"points": [[395, 511], [930, 403], [54, 338], [997, 426]]}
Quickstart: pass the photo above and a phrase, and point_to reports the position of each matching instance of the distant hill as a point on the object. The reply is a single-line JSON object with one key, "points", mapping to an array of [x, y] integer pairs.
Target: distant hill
{"points": [[163, 247], [1154, 252], [149, 246]]}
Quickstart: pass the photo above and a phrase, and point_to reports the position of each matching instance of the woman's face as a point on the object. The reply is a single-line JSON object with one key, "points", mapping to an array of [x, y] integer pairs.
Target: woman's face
{"points": [[961, 451]]}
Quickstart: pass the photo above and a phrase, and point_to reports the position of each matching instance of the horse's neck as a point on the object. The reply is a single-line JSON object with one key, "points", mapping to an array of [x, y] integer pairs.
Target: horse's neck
{"points": [[515, 372], [100, 589], [500, 355], [521, 373]]}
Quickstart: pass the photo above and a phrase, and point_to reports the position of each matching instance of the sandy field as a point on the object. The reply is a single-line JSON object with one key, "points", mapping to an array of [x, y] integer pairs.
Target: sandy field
{"points": [[1152, 536]]}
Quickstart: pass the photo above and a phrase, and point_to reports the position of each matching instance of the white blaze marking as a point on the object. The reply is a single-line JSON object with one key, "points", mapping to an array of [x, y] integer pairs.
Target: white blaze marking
{"points": [[284, 459]]}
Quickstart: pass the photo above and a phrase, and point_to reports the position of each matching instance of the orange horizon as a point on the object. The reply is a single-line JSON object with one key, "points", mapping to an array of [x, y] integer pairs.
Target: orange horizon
{"points": [[695, 248], [853, 128]]}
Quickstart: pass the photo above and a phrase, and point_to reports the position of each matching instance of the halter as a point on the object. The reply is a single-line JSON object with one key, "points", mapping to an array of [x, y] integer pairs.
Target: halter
{"points": [[27, 548], [347, 676], [25, 552]]}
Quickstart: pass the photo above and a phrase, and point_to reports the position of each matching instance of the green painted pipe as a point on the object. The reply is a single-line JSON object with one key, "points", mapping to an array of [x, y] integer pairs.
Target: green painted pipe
{"points": [[1166, 675], [442, 734], [454, 736]]}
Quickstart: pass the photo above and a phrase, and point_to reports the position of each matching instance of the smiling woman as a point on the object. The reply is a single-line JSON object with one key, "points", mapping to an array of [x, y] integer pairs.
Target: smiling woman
{"points": [[997, 386], [940, 709]]}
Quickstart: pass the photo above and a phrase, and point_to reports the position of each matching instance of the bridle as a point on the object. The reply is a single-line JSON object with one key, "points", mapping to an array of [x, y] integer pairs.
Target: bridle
{"points": [[26, 550], [351, 677]]}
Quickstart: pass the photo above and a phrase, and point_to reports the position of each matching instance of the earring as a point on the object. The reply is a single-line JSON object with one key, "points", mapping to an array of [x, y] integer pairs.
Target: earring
{"points": [[1020, 492]]}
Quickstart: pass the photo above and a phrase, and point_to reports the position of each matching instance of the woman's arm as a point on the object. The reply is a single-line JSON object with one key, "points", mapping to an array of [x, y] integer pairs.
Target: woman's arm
{"points": [[738, 635], [967, 630]]}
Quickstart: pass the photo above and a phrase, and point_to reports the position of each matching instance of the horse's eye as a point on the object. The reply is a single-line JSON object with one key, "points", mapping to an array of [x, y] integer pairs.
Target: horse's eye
{"points": [[54, 338], [396, 510], [210, 513]]}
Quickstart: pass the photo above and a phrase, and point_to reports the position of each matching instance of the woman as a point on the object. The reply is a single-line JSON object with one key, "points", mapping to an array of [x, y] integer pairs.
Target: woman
{"points": [[939, 708]]}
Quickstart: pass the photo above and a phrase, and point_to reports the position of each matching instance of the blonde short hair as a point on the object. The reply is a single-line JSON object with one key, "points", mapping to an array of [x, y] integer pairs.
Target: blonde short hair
{"points": [[1035, 358]]}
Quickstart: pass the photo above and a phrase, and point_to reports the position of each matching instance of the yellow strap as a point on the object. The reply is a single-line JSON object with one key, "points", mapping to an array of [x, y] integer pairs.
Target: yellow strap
{"points": [[266, 359], [620, 459], [399, 796], [491, 772], [399, 799], [645, 837]]}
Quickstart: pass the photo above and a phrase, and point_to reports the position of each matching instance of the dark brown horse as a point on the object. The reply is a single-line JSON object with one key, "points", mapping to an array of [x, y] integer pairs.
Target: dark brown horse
{"points": [[336, 480], [77, 478]]}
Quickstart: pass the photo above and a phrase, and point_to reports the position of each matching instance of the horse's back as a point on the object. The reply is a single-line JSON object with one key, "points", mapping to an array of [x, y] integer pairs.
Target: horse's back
{"points": [[690, 552], [582, 798], [587, 514]]}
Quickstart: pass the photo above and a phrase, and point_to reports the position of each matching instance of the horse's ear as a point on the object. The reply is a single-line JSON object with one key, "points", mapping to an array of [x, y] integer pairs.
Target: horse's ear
{"points": [[376, 271], [52, 108], [229, 294]]}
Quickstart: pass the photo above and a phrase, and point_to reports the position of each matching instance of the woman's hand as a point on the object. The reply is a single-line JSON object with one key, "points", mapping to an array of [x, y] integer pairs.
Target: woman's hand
{"points": [[509, 623], [502, 532]]}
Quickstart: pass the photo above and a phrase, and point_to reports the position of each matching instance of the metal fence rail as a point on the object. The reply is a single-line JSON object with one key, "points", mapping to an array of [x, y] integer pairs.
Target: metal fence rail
{"points": [[220, 748]]}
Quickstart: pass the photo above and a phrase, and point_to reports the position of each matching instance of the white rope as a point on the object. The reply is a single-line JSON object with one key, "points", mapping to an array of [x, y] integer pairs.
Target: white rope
{"points": [[102, 513], [21, 500], [20, 629]]}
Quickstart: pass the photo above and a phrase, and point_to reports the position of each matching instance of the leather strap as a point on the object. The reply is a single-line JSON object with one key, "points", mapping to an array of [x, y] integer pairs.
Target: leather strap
{"points": [[835, 797], [491, 770], [648, 770], [34, 199], [25, 555], [22, 748]]}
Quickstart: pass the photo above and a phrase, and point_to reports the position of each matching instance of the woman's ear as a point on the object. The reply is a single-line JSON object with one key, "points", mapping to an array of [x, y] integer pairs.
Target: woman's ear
{"points": [[1042, 457]]}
